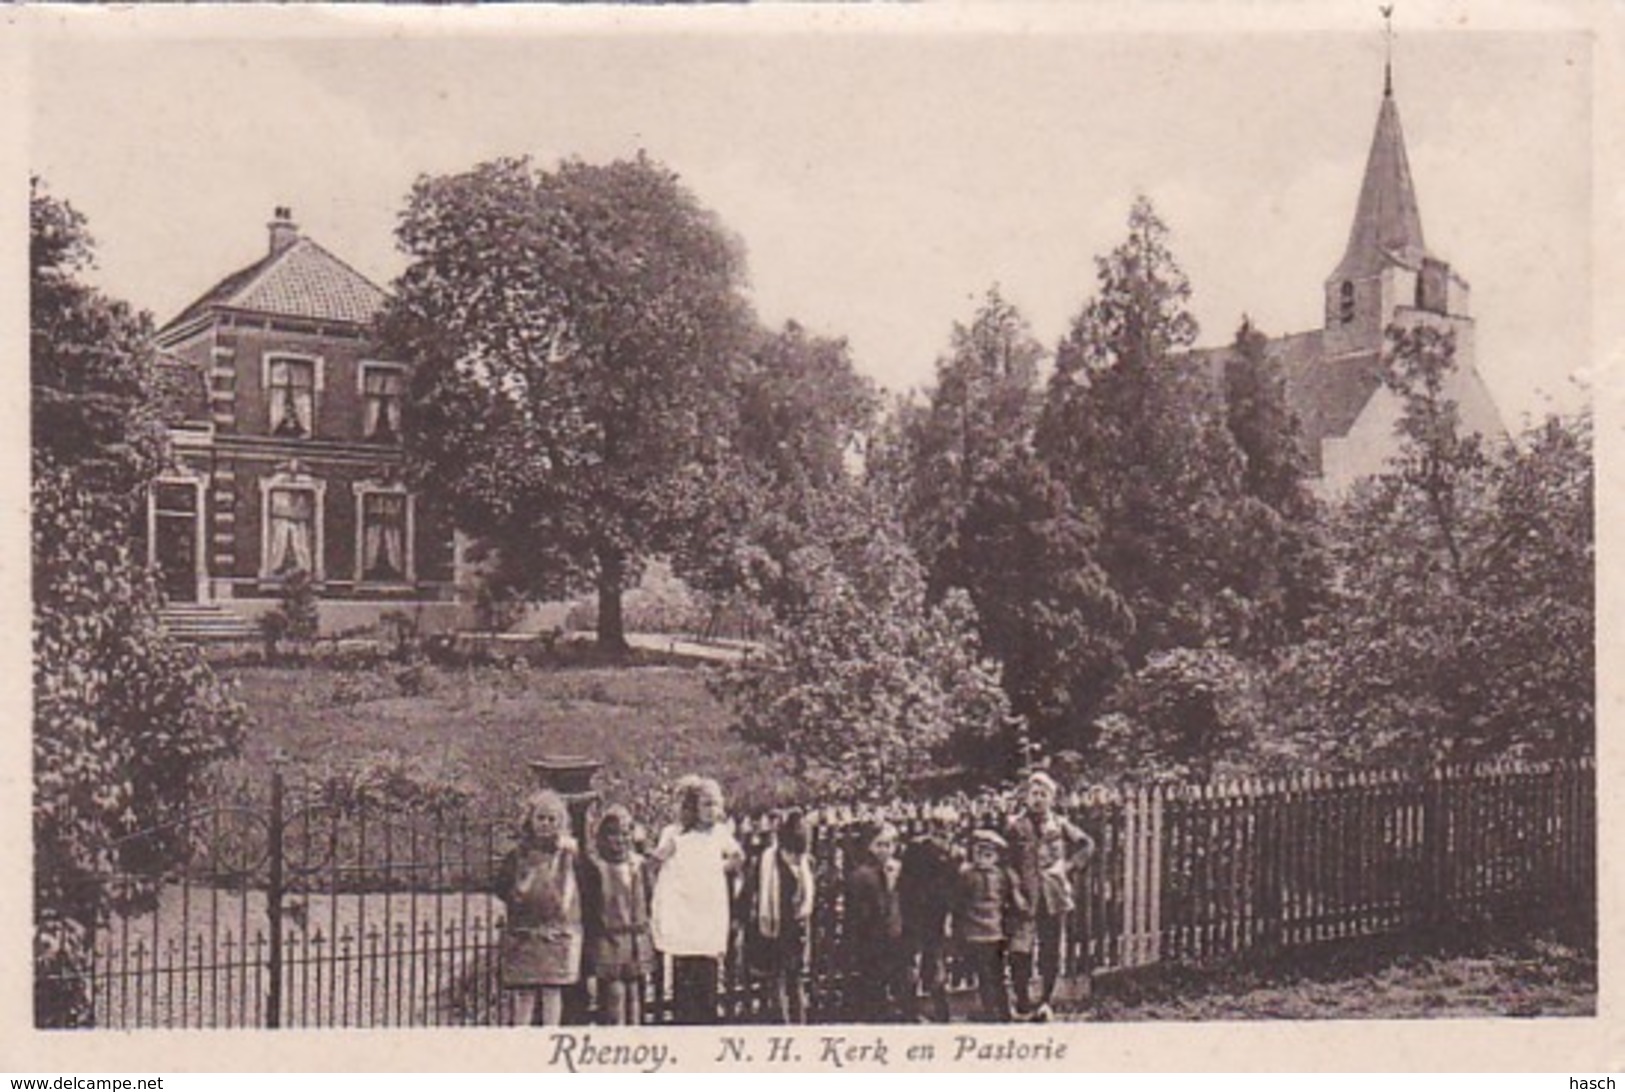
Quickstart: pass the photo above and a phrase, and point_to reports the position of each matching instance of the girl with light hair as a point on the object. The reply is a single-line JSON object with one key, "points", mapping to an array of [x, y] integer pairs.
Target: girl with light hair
{"points": [[695, 857], [541, 937]]}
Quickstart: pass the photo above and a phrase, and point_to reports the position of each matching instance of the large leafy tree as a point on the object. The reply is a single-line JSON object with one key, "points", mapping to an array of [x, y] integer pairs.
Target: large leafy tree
{"points": [[125, 721], [976, 420], [1464, 624], [986, 517], [576, 334], [802, 412]]}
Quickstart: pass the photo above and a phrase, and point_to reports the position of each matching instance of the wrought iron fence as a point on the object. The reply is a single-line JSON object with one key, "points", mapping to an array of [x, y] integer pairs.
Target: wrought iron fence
{"points": [[300, 909]]}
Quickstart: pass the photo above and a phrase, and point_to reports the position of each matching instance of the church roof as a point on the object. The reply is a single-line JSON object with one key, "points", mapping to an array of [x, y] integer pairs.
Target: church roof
{"points": [[1326, 396], [1387, 223], [301, 280]]}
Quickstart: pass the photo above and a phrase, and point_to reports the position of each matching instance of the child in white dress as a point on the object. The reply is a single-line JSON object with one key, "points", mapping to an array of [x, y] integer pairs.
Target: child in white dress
{"points": [[695, 857]]}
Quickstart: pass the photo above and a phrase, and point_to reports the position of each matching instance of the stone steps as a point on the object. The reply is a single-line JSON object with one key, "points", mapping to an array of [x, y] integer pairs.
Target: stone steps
{"points": [[204, 622]]}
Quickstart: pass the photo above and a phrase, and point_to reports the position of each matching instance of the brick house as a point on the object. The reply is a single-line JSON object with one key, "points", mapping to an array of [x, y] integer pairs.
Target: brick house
{"points": [[287, 436]]}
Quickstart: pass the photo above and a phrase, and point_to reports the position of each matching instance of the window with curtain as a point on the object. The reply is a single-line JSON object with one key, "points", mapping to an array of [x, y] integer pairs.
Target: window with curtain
{"points": [[291, 543], [384, 542], [381, 391], [292, 392]]}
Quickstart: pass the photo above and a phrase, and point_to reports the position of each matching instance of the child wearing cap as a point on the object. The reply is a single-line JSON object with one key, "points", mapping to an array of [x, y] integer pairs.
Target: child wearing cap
{"points": [[541, 936], [1046, 851], [989, 899]]}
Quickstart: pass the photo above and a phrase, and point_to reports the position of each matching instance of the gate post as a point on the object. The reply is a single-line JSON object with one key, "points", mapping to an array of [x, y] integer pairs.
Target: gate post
{"points": [[273, 906]]}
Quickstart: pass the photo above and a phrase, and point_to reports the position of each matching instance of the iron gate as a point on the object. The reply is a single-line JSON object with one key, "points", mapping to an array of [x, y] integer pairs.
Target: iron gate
{"points": [[306, 908]]}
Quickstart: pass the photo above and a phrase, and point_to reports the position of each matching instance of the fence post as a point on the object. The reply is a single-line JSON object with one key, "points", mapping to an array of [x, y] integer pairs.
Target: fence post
{"points": [[1436, 835], [273, 906]]}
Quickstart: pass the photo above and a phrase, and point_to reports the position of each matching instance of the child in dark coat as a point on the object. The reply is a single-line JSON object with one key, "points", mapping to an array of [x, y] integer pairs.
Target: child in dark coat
{"points": [[877, 959], [615, 913], [926, 892], [990, 900], [775, 910]]}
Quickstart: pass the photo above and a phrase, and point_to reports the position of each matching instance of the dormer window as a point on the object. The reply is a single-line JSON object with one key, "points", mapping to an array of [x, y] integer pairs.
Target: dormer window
{"points": [[383, 386], [1345, 303], [291, 383]]}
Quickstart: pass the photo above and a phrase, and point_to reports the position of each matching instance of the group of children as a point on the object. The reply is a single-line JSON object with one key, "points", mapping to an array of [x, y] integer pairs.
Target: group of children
{"points": [[603, 915]]}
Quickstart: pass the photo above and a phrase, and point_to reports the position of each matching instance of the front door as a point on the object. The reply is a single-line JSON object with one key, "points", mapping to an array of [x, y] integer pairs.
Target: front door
{"points": [[174, 529]]}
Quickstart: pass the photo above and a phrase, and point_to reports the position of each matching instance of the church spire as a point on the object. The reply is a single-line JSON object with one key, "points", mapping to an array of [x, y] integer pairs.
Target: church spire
{"points": [[1387, 226], [1388, 54]]}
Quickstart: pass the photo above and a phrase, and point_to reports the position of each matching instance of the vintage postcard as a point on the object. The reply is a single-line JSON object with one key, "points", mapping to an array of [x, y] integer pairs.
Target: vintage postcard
{"points": [[829, 538]]}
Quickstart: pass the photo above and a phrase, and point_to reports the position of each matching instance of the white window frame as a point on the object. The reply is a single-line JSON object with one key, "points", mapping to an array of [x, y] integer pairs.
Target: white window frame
{"points": [[197, 480], [371, 487], [361, 388], [294, 478], [317, 385]]}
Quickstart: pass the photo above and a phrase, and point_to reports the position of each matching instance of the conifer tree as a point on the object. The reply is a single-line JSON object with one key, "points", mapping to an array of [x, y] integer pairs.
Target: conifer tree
{"points": [[1134, 432], [986, 517]]}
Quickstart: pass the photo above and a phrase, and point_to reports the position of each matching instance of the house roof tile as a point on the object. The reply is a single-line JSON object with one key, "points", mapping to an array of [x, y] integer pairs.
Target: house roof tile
{"points": [[304, 280]]}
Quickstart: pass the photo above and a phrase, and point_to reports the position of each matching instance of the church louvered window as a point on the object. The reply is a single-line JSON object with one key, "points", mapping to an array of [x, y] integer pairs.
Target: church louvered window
{"points": [[1345, 303]]}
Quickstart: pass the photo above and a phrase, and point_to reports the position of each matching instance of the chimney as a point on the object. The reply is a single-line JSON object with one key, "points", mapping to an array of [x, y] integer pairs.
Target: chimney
{"points": [[284, 232]]}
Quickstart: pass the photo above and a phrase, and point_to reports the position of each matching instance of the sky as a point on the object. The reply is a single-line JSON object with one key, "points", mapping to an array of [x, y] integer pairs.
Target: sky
{"points": [[882, 172]]}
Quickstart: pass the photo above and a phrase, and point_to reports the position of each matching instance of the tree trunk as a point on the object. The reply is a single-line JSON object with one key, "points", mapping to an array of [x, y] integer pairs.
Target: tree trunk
{"points": [[611, 622]]}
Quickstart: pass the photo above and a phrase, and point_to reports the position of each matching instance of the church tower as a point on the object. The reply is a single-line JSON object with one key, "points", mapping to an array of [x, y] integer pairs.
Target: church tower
{"points": [[1386, 274], [1386, 277]]}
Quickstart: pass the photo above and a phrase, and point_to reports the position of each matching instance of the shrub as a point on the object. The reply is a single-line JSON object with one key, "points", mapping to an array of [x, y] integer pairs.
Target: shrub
{"points": [[867, 687], [295, 619], [1184, 715], [391, 779], [126, 722], [402, 631]]}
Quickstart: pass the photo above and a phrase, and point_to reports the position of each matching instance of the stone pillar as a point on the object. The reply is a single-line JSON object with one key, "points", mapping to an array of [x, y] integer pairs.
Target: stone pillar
{"points": [[571, 777]]}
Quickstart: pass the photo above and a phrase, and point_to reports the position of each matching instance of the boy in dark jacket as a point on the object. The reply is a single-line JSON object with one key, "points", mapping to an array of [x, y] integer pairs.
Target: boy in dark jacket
{"points": [[877, 960], [926, 890], [776, 907]]}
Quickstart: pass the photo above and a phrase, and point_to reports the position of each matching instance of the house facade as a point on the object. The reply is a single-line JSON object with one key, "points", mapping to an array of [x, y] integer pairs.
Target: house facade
{"points": [[286, 428], [1386, 276]]}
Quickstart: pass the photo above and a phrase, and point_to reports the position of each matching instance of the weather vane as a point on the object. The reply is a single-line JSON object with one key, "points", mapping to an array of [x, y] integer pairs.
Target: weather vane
{"points": [[1388, 38]]}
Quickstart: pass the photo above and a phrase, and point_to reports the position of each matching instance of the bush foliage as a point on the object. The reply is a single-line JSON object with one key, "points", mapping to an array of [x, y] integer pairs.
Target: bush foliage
{"points": [[125, 721], [868, 685]]}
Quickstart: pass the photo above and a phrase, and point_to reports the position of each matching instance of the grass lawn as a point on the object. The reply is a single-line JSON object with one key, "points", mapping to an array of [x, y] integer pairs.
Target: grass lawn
{"points": [[479, 726], [1539, 977]]}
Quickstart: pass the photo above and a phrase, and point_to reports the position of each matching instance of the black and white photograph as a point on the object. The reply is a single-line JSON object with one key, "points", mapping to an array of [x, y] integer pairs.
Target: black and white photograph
{"points": [[612, 522]]}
